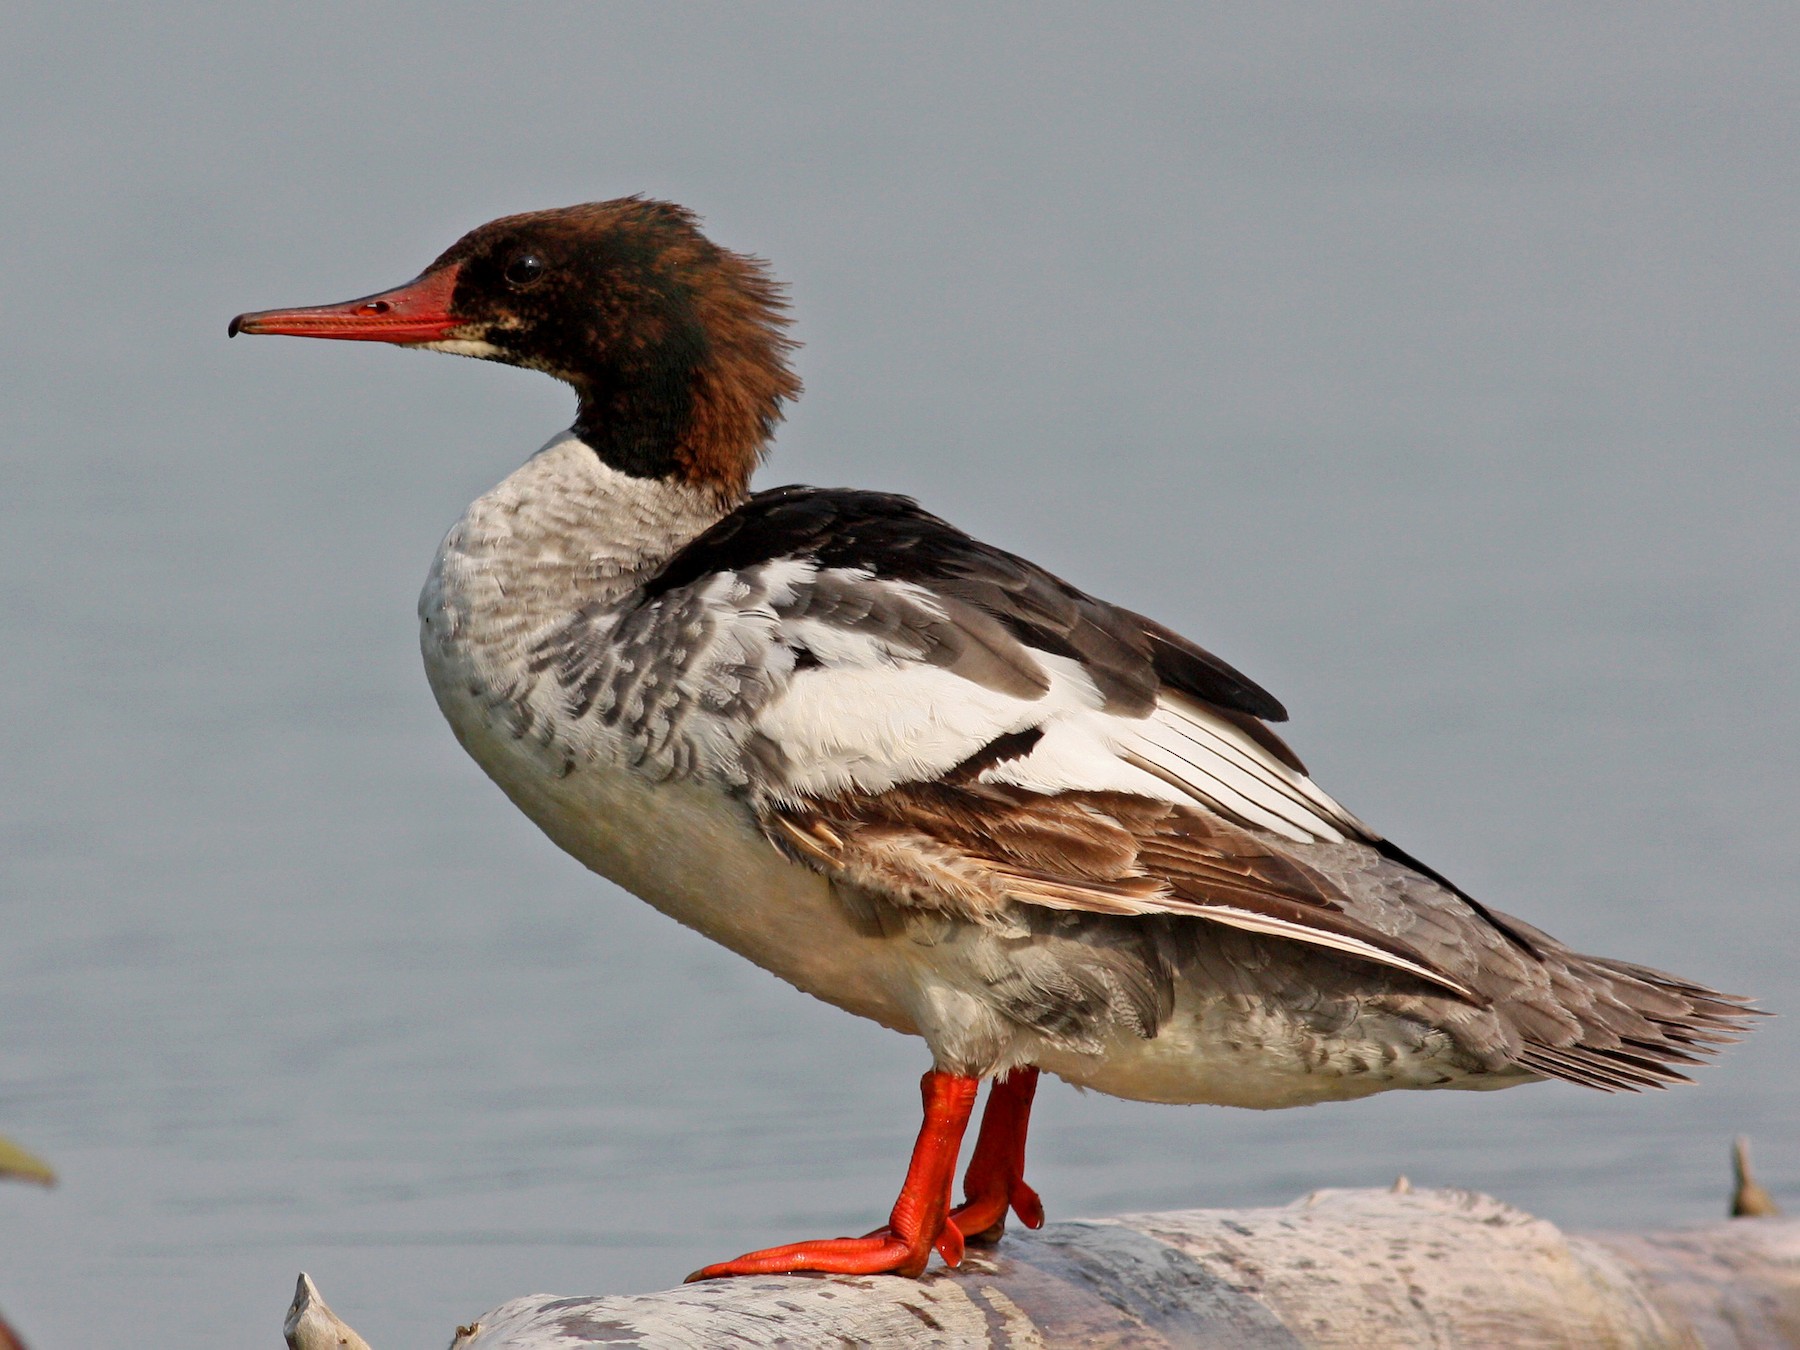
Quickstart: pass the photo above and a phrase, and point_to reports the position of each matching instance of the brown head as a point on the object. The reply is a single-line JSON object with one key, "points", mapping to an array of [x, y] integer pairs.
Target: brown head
{"points": [[675, 346]]}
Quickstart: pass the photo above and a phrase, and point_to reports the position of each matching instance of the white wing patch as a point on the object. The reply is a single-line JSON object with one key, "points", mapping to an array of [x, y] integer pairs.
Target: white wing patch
{"points": [[1213, 761], [875, 727], [1181, 754], [872, 718]]}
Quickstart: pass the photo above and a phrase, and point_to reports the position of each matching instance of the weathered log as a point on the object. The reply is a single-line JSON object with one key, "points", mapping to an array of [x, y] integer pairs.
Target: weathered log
{"points": [[1338, 1269]]}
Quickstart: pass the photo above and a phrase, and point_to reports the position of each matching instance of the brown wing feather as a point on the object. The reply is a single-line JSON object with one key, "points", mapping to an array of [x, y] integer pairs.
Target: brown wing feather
{"points": [[973, 850]]}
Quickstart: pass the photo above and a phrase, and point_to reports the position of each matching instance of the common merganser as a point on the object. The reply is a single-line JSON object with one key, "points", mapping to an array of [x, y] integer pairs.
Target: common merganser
{"points": [[922, 778]]}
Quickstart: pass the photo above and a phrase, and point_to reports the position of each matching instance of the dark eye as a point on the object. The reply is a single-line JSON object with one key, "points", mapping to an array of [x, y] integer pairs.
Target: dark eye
{"points": [[524, 269]]}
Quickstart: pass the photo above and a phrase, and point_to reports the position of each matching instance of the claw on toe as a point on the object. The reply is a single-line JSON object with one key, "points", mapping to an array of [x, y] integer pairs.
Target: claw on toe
{"points": [[1027, 1206]]}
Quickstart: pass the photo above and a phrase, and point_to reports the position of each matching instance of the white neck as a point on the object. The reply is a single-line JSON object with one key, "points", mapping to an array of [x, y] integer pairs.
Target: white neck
{"points": [[561, 532]]}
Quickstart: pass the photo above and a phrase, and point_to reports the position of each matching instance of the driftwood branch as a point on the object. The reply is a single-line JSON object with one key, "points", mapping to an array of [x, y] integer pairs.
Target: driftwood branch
{"points": [[1377, 1269], [1748, 1199], [311, 1325]]}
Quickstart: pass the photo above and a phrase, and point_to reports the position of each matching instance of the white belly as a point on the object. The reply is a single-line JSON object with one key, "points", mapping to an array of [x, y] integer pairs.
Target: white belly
{"points": [[692, 852]]}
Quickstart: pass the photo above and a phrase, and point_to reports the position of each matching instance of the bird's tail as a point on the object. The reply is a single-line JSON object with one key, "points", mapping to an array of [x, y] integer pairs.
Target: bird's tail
{"points": [[1625, 1027]]}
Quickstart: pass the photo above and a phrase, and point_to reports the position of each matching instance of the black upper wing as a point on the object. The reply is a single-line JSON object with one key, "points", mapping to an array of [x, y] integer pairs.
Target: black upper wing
{"points": [[1130, 657]]}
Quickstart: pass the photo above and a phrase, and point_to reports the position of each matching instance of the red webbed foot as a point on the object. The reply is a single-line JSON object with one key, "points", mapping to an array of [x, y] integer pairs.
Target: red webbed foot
{"points": [[882, 1254]]}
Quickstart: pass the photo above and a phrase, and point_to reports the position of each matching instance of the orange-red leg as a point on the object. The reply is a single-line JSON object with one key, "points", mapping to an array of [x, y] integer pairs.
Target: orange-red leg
{"points": [[995, 1181], [921, 1216]]}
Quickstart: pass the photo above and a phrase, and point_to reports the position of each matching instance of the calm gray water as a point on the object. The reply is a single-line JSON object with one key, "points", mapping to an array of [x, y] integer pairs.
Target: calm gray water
{"points": [[1437, 367]]}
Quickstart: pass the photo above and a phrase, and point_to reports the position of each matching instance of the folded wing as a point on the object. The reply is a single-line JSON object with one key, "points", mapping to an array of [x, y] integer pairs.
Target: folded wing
{"points": [[950, 727]]}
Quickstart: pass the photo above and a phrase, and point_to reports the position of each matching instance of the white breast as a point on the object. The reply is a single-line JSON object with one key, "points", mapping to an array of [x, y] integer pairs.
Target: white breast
{"points": [[565, 532]]}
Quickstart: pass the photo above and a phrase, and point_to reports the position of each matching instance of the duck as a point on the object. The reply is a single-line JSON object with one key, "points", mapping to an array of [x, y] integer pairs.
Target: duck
{"points": [[920, 777]]}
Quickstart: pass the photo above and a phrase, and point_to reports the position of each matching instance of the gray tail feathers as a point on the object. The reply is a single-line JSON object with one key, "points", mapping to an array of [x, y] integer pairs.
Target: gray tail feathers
{"points": [[1626, 1027]]}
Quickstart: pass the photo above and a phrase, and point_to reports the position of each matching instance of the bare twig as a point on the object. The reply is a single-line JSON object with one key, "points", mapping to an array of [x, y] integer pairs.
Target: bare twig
{"points": [[311, 1325]]}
